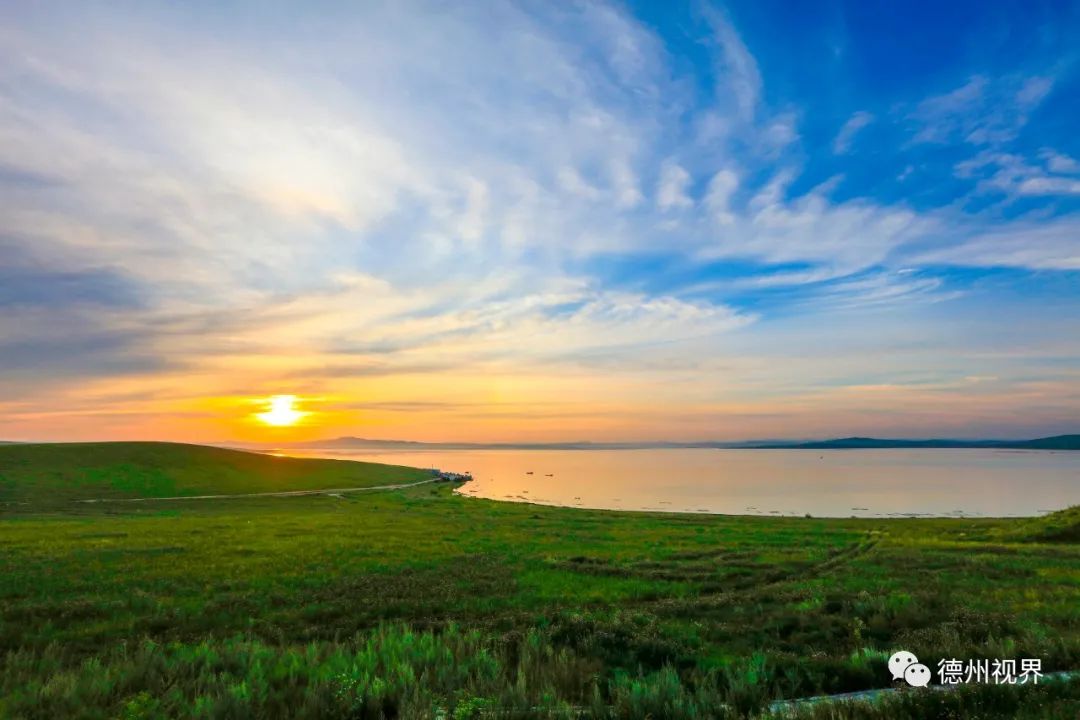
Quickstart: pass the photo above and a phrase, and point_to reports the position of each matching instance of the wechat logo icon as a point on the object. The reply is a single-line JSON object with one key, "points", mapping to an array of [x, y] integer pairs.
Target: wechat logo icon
{"points": [[905, 666]]}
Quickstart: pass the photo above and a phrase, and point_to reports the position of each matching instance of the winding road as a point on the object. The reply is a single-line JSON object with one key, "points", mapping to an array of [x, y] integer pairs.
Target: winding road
{"points": [[283, 493]]}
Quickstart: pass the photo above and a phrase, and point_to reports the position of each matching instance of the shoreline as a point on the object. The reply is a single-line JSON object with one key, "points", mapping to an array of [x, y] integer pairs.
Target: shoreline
{"points": [[458, 491]]}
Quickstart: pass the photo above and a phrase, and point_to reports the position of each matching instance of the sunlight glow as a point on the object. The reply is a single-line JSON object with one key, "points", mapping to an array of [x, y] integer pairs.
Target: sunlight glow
{"points": [[281, 412]]}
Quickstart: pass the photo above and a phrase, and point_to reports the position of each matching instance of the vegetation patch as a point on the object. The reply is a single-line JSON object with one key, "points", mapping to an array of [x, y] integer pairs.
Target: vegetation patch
{"points": [[408, 603]]}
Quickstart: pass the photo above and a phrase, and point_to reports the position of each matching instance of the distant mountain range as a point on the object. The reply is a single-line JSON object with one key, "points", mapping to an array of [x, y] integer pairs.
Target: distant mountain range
{"points": [[1058, 442]]}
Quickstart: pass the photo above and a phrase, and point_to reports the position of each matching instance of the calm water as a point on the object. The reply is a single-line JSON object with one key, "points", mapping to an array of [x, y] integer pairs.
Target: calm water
{"points": [[830, 483]]}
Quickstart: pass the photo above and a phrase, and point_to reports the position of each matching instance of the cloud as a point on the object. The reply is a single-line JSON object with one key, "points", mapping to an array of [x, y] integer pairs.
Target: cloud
{"points": [[571, 181], [884, 289], [718, 198], [1049, 186], [943, 115], [736, 67], [83, 354], [1022, 244], [1015, 175], [1033, 91], [1059, 163], [479, 196], [253, 176], [47, 339], [26, 281], [473, 218], [672, 187], [842, 143], [981, 112], [842, 237]]}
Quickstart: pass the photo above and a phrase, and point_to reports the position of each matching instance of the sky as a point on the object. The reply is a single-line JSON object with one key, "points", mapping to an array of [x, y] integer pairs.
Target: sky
{"points": [[539, 221]]}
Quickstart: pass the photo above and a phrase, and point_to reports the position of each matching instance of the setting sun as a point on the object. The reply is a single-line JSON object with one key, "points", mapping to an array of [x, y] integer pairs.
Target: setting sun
{"points": [[281, 412]]}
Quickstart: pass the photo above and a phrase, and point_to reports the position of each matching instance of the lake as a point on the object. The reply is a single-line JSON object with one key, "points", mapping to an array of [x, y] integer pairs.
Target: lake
{"points": [[824, 483]]}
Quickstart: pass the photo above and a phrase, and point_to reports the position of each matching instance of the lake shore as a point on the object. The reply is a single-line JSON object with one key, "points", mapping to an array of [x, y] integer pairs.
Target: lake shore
{"points": [[880, 483]]}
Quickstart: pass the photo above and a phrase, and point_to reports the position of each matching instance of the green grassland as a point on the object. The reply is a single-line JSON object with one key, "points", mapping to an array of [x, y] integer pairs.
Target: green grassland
{"points": [[418, 603], [41, 474]]}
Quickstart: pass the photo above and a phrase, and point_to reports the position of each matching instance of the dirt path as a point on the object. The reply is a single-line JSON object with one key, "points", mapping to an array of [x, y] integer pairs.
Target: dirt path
{"points": [[284, 493]]}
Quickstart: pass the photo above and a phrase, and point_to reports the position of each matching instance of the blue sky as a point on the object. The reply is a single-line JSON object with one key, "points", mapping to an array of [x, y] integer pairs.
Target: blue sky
{"points": [[540, 220]]}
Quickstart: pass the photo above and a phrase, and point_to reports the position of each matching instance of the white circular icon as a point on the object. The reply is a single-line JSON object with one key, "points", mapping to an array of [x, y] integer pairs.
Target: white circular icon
{"points": [[917, 675], [899, 662]]}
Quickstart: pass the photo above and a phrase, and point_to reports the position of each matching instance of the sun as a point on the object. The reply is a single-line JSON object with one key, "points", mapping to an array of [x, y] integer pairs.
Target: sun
{"points": [[281, 411]]}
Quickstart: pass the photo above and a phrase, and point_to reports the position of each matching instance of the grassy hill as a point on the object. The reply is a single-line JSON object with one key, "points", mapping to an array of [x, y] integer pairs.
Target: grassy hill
{"points": [[1062, 526], [61, 472]]}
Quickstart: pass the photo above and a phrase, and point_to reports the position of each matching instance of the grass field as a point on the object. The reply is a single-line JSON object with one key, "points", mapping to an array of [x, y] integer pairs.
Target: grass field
{"points": [[56, 475], [419, 603]]}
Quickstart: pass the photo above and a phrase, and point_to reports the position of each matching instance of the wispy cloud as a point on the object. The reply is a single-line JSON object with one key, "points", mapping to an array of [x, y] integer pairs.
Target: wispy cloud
{"points": [[1045, 246], [1015, 175], [737, 69], [844, 138], [671, 192], [982, 111]]}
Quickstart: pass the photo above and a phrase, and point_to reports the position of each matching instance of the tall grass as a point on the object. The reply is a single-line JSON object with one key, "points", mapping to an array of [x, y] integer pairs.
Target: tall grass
{"points": [[455, 674], [392, 672]]}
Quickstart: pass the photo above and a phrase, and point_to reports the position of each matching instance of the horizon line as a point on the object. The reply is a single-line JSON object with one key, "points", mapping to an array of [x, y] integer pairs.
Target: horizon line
{"points": [[555, 443]]}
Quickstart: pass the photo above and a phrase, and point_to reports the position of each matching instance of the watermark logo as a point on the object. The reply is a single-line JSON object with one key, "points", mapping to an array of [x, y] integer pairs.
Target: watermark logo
{"points": [[917, 675], [996, 672], [905, 666], [901, 661]]}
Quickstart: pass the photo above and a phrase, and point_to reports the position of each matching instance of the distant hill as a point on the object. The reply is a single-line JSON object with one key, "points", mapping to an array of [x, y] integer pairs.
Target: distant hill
{"points": [[1059, 442], [60, 472], [355, 443]]}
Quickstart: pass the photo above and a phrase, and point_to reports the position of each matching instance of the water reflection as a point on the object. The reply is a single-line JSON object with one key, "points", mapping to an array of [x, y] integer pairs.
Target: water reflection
{"points": [[830, 483]]}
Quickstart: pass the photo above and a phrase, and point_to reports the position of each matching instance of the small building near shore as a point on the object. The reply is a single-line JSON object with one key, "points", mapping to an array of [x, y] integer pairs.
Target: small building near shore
{"points": [[442, 476]]}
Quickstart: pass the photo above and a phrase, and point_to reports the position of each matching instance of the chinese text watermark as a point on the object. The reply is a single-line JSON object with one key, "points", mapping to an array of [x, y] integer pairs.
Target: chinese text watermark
{"points": [[904, 665]]}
